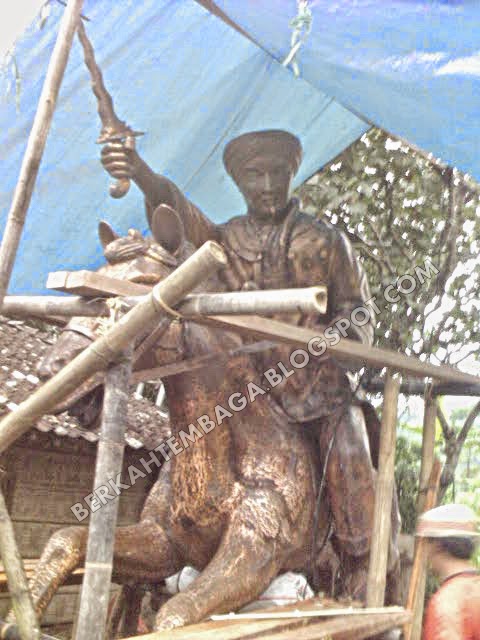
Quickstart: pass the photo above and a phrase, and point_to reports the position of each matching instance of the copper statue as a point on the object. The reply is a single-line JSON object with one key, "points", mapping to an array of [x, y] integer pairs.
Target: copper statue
{"points": [[241, 503], [275, 245]]}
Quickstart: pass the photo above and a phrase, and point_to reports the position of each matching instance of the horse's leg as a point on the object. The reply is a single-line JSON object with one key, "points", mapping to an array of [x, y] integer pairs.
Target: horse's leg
{"points": [[142, 552], [249, 556]]}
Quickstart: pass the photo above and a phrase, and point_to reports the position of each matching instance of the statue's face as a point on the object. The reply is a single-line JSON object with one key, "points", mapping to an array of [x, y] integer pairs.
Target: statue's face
{"points": [[265, 183]]}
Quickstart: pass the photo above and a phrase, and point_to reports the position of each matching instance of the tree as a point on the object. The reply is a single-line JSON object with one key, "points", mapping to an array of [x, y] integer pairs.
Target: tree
{"points": [[401, 211]]}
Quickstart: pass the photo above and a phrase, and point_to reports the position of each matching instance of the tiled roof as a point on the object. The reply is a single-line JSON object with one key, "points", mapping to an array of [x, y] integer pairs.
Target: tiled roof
{"points": [[22, 346]]}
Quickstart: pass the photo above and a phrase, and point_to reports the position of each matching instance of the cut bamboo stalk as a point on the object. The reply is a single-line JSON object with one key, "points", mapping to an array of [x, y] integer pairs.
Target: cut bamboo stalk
{"points": [[382, 518], [101, 353], [95, 594], [416, 591], [348, 349], [308, 300], [25, 618], [36, 143]]}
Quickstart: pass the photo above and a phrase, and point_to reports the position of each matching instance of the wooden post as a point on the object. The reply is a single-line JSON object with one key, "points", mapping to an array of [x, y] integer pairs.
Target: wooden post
{"points": [[26, 620], [428, 446], [36, 143], [428, 456], [101, 353], [416, 591], [382, 519], [101, 533]]}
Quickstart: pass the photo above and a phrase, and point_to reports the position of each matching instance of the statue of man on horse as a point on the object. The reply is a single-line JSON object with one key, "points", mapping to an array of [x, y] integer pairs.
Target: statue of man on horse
{"points": [[275, 245]]}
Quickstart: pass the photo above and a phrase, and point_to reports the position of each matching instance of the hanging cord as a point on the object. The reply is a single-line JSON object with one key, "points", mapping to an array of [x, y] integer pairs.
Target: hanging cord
{"points": [[301, 26], [321, 488]]}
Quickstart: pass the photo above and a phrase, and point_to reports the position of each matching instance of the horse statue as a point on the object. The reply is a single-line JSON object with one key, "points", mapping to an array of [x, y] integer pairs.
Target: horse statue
{"points": [[240, 502]]}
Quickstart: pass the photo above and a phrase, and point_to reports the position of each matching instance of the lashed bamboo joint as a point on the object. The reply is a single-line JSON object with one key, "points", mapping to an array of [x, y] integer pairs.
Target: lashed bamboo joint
{"points": [[209, 258]]}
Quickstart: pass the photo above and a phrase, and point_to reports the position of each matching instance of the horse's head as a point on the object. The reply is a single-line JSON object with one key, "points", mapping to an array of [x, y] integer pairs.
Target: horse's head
{"points": [[133, 258]]}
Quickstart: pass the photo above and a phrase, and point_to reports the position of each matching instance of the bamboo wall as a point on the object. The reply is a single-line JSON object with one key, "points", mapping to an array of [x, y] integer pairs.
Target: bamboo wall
{"points": [[45, 475]]}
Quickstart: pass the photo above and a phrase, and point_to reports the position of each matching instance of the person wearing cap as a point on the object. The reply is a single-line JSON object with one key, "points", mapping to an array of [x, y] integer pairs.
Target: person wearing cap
{"points": [[453, 612], [275, 246]]}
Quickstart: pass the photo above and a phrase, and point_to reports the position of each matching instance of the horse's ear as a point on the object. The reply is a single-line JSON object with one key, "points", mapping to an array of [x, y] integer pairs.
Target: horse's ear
{"points": [[167, 228], [106, 233]]}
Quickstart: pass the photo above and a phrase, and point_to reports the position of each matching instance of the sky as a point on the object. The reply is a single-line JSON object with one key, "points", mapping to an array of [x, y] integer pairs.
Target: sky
{"points": [[16, 16]]}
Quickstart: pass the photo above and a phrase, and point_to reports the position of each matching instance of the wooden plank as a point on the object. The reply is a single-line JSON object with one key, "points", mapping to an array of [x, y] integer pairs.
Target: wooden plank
{"points": [[231, 630], [93, 284], [382, 518], [354, 628], [345, 348], [357, 625]]}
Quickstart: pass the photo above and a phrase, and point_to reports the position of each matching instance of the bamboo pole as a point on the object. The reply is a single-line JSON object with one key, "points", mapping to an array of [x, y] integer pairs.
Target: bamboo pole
{"points": [[11, 632], [36, 143], [209, 258], [26, 620], [382, 518], [416, 591], [95, 592], [308, 300], [428, 457]]}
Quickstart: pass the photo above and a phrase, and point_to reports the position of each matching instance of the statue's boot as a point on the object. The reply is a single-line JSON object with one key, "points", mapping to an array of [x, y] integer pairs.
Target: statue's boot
{"points": [[350, 482]]}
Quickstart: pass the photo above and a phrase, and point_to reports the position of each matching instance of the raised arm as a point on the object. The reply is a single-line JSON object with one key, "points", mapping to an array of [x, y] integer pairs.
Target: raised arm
{"points": [[121, 162]]}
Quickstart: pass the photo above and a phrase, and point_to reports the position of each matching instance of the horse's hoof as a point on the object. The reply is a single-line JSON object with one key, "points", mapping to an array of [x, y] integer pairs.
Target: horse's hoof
{"points": [[169, 622]]}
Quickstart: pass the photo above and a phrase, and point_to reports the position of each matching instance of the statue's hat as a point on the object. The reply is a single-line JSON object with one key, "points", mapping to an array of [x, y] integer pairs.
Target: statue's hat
{"points": [[275, 142], [447, 521]]}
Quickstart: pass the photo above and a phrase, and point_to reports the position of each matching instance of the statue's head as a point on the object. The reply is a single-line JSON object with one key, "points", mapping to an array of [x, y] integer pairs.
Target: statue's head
{"points": [[263, 164]]}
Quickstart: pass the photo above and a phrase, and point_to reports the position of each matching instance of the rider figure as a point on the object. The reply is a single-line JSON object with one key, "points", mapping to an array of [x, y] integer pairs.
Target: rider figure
{"points": [[274, 246]]}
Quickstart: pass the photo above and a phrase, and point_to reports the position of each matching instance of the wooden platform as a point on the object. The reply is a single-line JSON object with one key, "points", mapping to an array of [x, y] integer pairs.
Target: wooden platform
{"points": [[313, 619]]}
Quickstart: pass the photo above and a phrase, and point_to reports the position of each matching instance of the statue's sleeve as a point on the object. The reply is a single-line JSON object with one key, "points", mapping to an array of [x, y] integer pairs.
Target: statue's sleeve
{"points": [[347, 290], [198, 228]]}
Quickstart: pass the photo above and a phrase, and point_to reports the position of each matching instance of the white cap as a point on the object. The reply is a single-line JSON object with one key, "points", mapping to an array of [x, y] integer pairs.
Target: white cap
{"points": [[449, 520]]}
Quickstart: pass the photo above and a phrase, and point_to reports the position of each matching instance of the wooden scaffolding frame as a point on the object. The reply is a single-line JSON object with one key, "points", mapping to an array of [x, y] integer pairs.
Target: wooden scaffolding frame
{"points": [[111, 352]]}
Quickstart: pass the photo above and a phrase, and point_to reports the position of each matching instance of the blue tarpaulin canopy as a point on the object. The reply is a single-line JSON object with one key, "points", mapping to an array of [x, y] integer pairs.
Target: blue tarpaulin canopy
{"points": [[192, 82]]}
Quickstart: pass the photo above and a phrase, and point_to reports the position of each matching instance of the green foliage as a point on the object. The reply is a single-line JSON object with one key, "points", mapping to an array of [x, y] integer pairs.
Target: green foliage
{"points": [[407, 469], [399, 209]]}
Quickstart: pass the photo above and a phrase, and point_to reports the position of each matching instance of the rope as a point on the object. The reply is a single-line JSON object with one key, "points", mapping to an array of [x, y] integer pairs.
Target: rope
{"points": [[158, 300], [301, 26]]}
